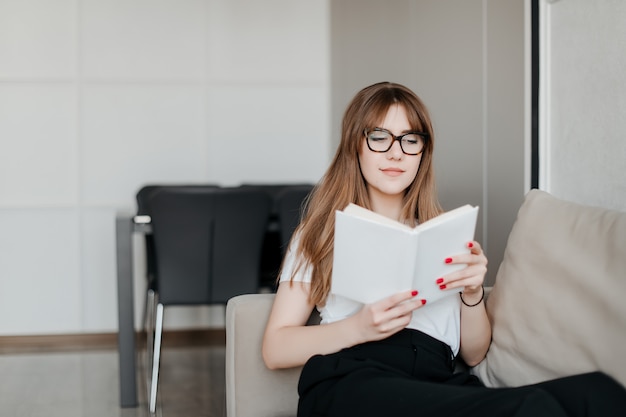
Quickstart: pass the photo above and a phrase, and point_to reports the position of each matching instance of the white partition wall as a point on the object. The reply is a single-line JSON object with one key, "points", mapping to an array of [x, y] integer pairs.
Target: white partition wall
{"points": [[98, 97], [583, 101]]}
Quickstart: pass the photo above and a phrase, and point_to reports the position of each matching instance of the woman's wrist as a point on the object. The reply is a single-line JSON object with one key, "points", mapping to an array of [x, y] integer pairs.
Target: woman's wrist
{"points": [[473, 298]]}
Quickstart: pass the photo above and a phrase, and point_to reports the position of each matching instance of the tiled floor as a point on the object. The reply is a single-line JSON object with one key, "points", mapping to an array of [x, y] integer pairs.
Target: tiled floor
{"points": [[86, 384]]}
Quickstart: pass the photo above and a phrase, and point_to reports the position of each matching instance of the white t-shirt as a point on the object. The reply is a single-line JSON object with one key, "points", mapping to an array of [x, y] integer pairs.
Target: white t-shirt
{"points": [[441, 319]]}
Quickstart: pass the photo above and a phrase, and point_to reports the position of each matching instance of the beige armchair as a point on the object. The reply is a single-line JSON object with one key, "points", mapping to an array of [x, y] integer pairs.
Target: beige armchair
{"points": [[252, 390]]}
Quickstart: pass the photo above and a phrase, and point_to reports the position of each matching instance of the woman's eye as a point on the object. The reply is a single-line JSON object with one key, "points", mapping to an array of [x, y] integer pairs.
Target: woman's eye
{"points": [[378, 138]]}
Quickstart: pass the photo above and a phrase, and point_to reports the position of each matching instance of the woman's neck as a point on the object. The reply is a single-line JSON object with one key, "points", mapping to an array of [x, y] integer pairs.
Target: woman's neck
{"points": [[388, 206]]}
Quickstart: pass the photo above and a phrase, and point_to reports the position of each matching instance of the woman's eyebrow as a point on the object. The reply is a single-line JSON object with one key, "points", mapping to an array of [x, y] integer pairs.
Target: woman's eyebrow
{"points": [[401, 132]]}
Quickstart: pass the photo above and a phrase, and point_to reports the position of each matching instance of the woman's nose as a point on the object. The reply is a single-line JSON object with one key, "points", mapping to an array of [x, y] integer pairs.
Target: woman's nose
{"points": [[395, 151]]}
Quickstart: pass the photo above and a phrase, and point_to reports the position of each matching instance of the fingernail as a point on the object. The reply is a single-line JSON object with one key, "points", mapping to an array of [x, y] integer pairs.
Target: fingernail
{"points": [[448, 260], [442, 287], [423, 302], [413, 293], [470, 245], [440, 280]]}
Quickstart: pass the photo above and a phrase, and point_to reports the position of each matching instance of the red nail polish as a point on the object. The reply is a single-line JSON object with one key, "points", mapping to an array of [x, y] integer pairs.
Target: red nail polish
{"points": [[442, 287], [470, 245], [413, 293], [440, 280], [423, 302], [448, 260]]}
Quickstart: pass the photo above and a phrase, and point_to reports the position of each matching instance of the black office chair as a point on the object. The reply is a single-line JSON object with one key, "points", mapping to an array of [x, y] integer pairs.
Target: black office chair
{"points": [[207, 249], [290, 205], [281, 219], [143, 209], [144, 215]]}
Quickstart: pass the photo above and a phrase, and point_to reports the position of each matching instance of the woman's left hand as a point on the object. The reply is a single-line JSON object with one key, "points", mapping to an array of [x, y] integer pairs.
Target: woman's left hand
{"points": [[475, 326], [472, 276]]}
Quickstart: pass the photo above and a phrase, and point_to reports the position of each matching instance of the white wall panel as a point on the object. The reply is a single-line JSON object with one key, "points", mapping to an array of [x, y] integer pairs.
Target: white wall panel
{"points": [[267, 134], [38, 144], [584, 101], [38, 38], [97, 253], [40, 280], [280, 41], [143, 39], [138, 133]]}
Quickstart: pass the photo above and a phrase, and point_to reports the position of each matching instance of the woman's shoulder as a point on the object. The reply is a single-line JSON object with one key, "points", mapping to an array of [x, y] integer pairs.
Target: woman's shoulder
{"points": [[294, 262]]}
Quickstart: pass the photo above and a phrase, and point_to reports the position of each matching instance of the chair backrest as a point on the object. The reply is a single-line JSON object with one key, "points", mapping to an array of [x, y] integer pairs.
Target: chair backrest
{"points": [[252, 390], [241, 221], [144, 194], [143, 198], [274, 191], [207, 243], [182, 229], [289, 206]]}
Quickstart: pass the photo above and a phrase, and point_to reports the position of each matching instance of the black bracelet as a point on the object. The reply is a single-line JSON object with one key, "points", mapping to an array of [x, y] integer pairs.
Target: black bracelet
{"points": [[482, 297]]}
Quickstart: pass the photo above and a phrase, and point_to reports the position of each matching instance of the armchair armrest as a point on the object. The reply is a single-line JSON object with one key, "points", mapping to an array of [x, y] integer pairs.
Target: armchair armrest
{"points": [[252, 390]]}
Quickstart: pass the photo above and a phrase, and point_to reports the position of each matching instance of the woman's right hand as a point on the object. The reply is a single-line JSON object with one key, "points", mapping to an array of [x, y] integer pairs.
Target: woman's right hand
{"points": [[387, 316], [289, 342]]}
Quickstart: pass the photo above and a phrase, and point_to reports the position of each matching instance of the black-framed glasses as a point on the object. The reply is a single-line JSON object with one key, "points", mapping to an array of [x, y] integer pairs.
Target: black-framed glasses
{"points": [[381, 140]]}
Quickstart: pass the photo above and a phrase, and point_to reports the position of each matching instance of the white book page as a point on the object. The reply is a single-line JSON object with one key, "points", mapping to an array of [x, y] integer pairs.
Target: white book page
{"points": [[361, 212], [435, 244], [375, 257], [365, 269]]}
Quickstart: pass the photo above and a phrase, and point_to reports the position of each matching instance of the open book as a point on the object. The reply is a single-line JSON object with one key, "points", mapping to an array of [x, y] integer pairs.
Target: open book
{"points": [[376, 257]]}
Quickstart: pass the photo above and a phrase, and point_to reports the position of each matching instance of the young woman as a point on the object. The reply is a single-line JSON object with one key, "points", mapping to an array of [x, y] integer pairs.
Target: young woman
{"points": [[396, 357]]}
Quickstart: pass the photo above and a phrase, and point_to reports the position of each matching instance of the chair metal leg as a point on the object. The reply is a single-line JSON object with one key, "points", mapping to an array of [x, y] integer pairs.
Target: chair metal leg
{"points": [[158, 332], [146, 307], [149, 325]]}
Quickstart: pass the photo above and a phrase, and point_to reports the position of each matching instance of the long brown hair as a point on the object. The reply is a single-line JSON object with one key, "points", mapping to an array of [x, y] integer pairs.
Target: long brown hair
{"points": [[343, 182]]}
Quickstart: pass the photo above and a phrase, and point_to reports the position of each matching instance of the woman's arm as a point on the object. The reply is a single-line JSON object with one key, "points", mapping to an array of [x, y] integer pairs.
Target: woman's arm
{"points": [[288, 342], [475, 326]]}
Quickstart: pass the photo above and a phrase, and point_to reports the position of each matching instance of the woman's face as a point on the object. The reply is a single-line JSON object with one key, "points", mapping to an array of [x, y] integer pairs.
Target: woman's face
{"points": [[389, 174]]}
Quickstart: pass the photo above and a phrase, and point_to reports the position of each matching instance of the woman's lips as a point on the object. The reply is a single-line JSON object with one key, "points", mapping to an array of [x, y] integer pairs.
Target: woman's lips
{"points": [[392, 172]]}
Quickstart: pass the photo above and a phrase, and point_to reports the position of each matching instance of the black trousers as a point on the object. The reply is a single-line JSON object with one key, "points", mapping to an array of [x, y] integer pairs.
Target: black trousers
{"points": [[412, 374]]}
